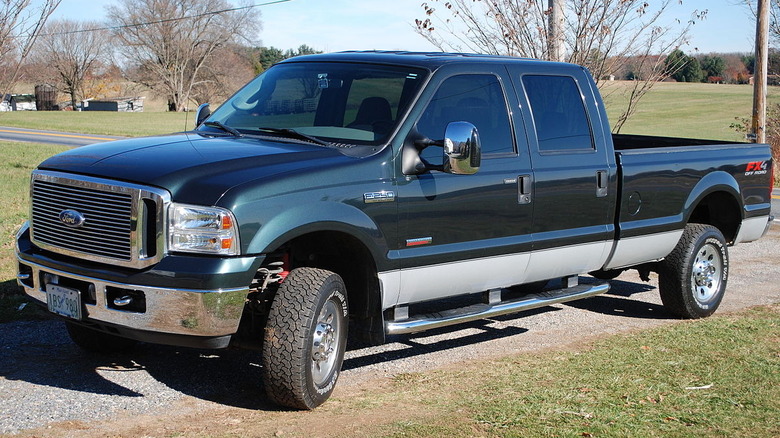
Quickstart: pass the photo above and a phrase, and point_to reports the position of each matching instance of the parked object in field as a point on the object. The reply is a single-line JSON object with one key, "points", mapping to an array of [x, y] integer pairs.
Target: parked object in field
{"points": [[120, 104], [17, 102], [360, 193]]}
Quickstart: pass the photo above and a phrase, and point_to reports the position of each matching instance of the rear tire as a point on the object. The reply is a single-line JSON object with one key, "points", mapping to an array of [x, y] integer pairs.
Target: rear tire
{"points": [[692, 278], [98, 342], [305, 338]]}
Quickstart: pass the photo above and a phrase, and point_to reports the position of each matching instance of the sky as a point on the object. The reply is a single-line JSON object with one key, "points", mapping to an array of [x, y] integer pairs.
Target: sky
{"points": [[335, 25]]}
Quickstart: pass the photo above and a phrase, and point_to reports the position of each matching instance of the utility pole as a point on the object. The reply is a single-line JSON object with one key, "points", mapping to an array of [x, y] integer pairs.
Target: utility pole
{"points": [[758, 127], [555, 31]]}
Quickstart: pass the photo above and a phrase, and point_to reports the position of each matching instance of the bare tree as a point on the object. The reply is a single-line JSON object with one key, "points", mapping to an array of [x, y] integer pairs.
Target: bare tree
{"points": [[603, 35], [170, 41], [21, 22], [72, 49], [774, 17], [221, 76]]}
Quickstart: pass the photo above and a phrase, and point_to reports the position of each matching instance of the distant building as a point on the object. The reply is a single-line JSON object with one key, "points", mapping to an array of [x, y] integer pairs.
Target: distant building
{"points": [[18, 102], [122, 104]]}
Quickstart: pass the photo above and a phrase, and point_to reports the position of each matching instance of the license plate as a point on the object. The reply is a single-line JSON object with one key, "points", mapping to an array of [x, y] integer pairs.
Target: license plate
{"points": [[63, 301]]}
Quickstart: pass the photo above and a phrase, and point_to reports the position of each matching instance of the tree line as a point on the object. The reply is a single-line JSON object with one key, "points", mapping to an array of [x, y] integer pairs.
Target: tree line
{"points": [[188, 51], [729, 68]]}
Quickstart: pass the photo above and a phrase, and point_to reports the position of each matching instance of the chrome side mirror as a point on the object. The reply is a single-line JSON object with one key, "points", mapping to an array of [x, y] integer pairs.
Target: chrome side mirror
{"points": [[462, 149], [203, 113]]}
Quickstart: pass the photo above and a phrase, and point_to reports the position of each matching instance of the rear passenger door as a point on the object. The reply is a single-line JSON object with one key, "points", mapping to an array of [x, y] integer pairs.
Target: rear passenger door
{"points": [[574, 182]]}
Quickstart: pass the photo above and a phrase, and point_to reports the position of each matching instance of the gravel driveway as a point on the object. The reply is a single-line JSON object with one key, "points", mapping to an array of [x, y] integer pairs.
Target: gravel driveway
{"points": [[46, 379]]}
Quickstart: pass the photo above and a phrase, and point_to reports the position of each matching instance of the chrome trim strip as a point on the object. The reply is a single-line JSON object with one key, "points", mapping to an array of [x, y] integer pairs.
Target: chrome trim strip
{"points": [[483, 311], [632, 251], [177, 311], [432, 282], [138, 252]]}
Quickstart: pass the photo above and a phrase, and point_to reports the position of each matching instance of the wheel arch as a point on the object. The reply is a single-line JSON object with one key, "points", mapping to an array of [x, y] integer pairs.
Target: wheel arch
{"points": [[318, 217], [349, 257], [716, 201], [340, 238]]}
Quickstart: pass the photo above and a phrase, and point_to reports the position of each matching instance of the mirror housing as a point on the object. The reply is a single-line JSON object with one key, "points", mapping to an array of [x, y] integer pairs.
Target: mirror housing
{"points": [[203, 113], [462, 149]]}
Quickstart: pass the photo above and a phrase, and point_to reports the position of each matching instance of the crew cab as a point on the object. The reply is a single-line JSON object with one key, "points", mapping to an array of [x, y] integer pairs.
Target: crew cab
{"points": [[377, 194]]}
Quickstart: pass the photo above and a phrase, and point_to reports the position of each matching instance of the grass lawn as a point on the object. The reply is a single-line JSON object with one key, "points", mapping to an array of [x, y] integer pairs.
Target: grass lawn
{"points": [[691, 110], [17, 160], [714, 377], [101, 122]]}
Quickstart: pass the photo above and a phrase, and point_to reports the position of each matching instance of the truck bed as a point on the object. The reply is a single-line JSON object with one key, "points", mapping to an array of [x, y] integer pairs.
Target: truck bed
{"points": [[633, 141]]}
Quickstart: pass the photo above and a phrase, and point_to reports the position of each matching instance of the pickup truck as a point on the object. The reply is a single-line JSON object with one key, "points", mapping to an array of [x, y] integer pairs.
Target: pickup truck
{"points": [[378, 194]]}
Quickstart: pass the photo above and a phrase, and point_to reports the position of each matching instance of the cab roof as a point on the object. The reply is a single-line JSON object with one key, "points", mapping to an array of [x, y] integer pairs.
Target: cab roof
{"points": [[428, 60]]}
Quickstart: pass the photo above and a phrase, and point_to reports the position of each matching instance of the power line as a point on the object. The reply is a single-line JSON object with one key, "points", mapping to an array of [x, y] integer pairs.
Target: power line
{"points": [[166, 20]]}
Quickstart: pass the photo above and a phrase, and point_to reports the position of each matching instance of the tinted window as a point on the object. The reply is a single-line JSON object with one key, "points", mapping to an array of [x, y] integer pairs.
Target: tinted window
{"points": [[478, 99], [559, 113]]}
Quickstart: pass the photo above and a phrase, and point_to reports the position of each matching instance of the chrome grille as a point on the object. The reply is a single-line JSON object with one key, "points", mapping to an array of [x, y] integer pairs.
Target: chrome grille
{"points": [[106, 229], [122, 223]]}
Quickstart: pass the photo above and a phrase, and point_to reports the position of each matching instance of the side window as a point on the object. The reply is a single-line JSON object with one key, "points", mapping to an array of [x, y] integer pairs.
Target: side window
{"points": [[478, 99], [558, 112]]}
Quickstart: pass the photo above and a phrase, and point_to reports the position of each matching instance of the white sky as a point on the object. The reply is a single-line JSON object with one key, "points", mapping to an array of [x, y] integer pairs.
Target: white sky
{"points": [[335, 25]]}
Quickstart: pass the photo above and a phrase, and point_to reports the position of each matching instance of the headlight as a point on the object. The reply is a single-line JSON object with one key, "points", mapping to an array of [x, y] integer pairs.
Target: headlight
{"points": [[209, 230]]}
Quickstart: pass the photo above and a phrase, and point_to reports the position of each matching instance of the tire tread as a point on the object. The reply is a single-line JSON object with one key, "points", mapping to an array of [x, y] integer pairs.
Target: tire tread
{"points": [[284, 344], [674, 275]]}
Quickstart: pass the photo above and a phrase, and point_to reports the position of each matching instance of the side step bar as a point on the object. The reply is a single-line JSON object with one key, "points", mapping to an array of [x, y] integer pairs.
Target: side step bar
{"points": [[419, 323]]}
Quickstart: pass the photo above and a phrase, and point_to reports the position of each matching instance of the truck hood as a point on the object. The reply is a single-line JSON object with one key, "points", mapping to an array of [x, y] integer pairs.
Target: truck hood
{"points": [[193, 168]]}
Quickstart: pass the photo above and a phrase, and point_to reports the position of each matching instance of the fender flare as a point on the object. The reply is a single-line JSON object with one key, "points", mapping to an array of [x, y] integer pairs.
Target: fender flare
{"points": [[319, 216], [718, 181]]}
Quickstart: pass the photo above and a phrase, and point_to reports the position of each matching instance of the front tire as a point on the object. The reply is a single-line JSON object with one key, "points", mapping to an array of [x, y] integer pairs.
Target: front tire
{"points": [[692, 279], [305, 338]]}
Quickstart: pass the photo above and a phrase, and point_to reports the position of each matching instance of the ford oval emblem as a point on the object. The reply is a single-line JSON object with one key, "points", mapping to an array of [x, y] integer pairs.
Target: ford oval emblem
{"points": [[72, 218]]}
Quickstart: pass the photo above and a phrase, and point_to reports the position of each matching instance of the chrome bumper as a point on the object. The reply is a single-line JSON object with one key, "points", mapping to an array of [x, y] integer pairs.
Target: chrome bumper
{"points": [[204, 313]]}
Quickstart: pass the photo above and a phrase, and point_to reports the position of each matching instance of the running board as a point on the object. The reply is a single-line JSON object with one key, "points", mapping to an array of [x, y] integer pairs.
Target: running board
{"points": [[419, 323]]}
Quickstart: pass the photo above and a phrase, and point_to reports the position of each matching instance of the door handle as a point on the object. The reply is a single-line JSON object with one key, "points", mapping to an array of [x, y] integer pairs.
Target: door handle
{"points": [[602, 183], [524, 189]]}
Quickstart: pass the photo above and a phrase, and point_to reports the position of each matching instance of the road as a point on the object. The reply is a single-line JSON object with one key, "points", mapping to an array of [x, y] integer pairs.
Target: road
{"points": [[50, 388], [776, 205], [72, 139]]}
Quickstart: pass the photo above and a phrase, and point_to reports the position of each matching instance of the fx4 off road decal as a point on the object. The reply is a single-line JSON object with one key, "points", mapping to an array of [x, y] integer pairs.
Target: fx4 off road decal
{"points": [[756, 168]]}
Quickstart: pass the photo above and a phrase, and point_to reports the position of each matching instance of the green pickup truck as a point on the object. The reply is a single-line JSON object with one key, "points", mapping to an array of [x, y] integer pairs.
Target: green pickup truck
{"points": [[376, 194]]}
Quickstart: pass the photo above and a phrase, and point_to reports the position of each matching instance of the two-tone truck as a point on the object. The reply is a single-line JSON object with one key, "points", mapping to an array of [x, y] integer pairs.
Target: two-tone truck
{"points": [[363, 193]]}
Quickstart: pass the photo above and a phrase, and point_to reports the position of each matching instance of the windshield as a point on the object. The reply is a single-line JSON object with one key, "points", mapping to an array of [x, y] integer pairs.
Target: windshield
{"points": [[335, 102]]}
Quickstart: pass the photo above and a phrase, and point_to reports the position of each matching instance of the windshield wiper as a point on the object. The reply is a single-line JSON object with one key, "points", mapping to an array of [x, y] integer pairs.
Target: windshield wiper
{"points": [[222, 126], [291, 133]]}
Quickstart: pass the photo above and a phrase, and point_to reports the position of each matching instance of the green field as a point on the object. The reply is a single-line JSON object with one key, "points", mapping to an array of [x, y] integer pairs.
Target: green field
{"points": [[670, 109], [690, 110], [100, 122], [17, 160], [714, 377]]}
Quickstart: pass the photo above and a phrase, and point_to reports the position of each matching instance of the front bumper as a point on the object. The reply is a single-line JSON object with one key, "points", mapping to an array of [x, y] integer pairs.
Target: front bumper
{"points": [[205, 313]]}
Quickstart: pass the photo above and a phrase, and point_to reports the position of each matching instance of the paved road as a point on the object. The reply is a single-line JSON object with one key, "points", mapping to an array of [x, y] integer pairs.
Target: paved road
{"points": [[72, 139]]}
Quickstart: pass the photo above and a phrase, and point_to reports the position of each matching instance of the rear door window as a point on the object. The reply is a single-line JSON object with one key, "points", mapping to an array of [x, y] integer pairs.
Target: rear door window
{"points": [[559, 114]]}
